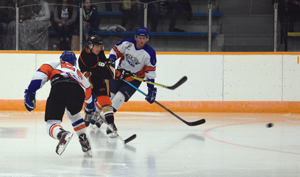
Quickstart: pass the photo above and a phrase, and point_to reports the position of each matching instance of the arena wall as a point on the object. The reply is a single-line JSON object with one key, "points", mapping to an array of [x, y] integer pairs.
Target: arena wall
{"points": [[217, 82]]}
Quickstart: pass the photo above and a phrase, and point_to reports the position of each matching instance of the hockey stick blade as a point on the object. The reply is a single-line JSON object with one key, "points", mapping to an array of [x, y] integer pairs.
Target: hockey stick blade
{"points": [[198, 122], [180, 82], [130, 139]]}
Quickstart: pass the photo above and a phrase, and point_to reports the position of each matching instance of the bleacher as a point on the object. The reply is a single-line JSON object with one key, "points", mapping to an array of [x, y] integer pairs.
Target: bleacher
{"points": [[216, 14], [151, 33], [160, 33], [193, 39]]}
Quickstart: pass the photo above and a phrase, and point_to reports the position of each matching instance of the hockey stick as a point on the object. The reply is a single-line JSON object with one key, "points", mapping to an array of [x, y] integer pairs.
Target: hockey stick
{"points": [[127, 140], [180, 82], [132, 137], [198, 122]]}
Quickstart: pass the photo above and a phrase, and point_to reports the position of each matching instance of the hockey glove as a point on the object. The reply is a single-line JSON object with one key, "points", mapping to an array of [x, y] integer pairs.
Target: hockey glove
{"points": [[111, 62], [91, 107], [151, 95], [124, 74], [29, 100]]}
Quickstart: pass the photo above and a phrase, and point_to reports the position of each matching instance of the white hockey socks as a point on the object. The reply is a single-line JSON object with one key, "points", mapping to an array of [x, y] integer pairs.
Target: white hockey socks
{"points": [[77, 123], [112, 95], [53, 127], [117, 101]]}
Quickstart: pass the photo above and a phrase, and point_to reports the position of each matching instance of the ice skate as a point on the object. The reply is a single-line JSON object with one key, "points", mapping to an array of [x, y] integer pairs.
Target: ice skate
{"points": [[94, 117], [85, 145], [64, 139], [111, 130], [87, 118], [96, 120], [99, 122]]}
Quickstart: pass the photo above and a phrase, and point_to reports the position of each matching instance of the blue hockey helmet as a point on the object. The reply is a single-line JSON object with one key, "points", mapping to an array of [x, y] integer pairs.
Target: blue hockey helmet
{"points": [[68, 56], [142, 31]]}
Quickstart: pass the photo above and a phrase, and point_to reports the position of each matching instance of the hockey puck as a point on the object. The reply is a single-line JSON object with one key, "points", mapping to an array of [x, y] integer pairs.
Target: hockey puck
{"points": [[269, 125]]}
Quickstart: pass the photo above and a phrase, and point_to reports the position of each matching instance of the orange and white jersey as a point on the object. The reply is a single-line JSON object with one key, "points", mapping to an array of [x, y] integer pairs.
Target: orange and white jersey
{"points": [[51, 68]]}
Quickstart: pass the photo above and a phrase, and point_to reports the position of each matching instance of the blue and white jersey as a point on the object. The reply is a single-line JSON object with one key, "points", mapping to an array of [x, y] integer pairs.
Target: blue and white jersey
{"points": [[141, 62]]}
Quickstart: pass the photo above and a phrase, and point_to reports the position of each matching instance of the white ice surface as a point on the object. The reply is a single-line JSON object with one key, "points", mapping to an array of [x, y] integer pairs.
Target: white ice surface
{"points": [[227, 145]]}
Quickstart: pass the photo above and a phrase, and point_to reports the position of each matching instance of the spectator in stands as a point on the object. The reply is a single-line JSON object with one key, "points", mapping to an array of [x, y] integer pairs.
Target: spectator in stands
{"points": [[35, 35], [7, 15], [24, 11], [64, 22], [107, 3], [128, 14], [3, 22], [153, 11], [33, 32], [281, 9], [293, 13], [108, 6], [40, 10], [174, 8], [282, 15], [91, 20]]}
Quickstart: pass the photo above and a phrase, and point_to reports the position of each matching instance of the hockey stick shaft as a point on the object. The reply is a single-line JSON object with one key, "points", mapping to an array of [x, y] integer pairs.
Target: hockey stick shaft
{"points": [[180, 82], [202, 121]]}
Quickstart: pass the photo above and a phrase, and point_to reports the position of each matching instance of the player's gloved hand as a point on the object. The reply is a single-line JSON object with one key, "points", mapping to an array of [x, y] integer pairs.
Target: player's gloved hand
{"points": [[111, 62], [29, 100], [151, 95], [91, 107], [124, 74]]}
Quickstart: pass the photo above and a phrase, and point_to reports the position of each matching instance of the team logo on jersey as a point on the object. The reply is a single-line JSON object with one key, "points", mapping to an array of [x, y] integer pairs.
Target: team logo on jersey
{"points": [[128, 46], [132, 60]]}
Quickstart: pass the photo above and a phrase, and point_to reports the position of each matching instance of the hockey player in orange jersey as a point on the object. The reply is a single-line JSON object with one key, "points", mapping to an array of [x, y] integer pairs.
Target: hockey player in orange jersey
{"points": [[69, 90], [94, 65]]}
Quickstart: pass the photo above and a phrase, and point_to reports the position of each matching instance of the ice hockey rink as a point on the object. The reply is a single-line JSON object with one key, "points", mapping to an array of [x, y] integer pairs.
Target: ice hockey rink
{"points": [[227, 145]]}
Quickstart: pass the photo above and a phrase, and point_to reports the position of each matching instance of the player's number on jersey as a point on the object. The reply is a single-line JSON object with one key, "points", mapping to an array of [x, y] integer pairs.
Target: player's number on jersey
{"points": [[79, 74], [101, 64], [66, 65], [72, 68]]}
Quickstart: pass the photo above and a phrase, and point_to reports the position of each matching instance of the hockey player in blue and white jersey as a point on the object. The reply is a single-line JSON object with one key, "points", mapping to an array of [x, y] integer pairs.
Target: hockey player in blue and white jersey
{"points": [[137, 57]]}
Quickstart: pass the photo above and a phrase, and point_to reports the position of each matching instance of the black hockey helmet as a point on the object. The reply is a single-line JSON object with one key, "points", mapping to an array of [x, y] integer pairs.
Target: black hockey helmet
{"points": [[94, 40]]}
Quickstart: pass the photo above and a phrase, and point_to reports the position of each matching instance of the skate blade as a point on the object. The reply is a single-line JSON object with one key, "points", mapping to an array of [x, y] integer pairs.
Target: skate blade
{"points": [[88, 154], [61, 147], [112, 135], [94, 126]]}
